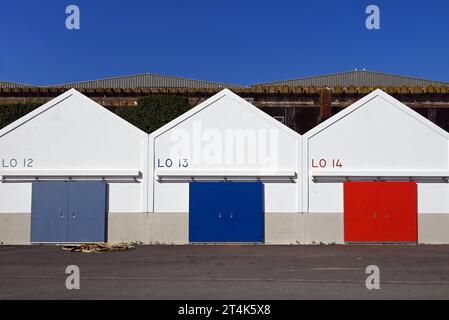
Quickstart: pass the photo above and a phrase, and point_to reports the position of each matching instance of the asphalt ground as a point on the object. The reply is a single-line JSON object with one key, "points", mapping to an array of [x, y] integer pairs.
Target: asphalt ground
{"points": [[227, 272]]}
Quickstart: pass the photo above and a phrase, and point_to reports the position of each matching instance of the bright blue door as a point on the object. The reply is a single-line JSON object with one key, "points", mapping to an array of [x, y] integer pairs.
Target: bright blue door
{"points": [[87, 212], [207, 212], [244, 213], [226, 212], [49, 207]]}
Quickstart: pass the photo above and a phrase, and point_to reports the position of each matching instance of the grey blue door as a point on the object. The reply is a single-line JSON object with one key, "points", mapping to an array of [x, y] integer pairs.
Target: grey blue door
{"points": [[49, 212], [87, 212], [226, 212], [68, 212]]}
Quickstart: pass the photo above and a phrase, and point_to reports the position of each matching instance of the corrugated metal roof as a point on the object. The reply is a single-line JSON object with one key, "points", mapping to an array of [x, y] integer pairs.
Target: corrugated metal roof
{"points": [[146, 81], [356, 79], [4, 84]]}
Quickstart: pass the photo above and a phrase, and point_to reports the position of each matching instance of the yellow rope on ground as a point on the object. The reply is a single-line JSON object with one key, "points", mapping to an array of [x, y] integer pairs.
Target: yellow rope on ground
{"points": [[99, 247]]}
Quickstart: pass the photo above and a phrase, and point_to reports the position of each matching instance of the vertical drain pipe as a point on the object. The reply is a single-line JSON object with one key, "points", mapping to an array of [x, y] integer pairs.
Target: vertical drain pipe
{"points": [[325, 104]]}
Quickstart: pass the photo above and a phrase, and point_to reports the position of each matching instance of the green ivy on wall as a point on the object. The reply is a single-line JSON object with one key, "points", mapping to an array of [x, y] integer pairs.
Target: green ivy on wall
{"points": [[12, 112], [151, 112]]}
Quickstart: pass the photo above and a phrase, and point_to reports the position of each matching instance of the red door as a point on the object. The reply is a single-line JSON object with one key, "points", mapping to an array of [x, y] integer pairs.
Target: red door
{"points": [[380, 212]]}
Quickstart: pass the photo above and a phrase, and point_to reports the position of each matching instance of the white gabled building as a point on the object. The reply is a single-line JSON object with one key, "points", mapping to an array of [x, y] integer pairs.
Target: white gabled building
{"points": [[378, 139], [70, 138], [225, 138]]}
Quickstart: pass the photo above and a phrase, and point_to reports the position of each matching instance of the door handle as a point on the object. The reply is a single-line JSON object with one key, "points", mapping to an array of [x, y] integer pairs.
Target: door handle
{"points": [[62, 215], [73, 214]]}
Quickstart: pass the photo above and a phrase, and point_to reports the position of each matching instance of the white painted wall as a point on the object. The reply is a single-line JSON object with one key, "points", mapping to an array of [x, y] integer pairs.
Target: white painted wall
{"points": [[433, 198], [73, 132], [378, 133], [225, 133]]}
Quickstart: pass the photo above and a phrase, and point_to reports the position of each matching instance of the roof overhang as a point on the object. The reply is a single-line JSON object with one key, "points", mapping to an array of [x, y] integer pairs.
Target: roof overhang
{"points": [[345, 176], [61, 174], [218, 175]]}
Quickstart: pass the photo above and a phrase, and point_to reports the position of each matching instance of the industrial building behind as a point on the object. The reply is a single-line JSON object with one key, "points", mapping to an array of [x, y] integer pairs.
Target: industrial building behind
{"points": [[301, 104]]}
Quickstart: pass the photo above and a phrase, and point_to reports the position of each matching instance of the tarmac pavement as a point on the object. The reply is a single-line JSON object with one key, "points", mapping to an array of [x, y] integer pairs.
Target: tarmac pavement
{"points": [[227, 272]]}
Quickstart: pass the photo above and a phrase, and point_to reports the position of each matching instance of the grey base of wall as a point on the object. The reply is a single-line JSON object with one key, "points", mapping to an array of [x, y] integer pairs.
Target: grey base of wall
{"points": [[15, 228], [172, 228]]}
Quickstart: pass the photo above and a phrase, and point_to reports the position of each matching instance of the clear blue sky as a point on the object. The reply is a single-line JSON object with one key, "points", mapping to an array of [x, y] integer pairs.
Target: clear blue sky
{"points": [[233, 41]]}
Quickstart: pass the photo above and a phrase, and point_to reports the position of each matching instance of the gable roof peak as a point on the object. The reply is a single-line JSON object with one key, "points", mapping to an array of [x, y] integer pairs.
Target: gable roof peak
{"points": [[364, 101], [59, 99]]}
